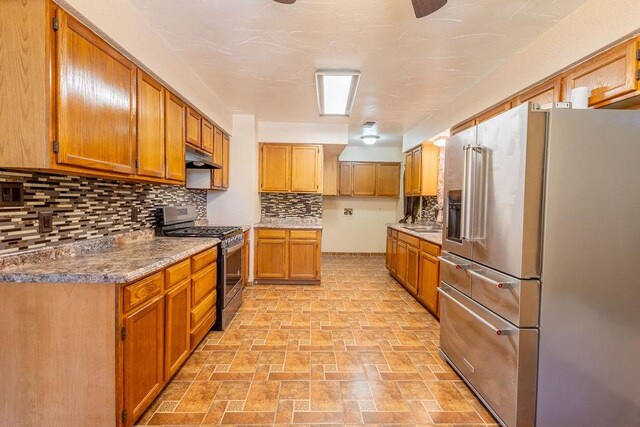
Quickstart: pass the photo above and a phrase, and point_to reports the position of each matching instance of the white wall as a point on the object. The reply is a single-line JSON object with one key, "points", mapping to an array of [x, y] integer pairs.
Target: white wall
{"points": [[121, 23], [365, 231], [303, 133], [592, 27], [240, 205]]}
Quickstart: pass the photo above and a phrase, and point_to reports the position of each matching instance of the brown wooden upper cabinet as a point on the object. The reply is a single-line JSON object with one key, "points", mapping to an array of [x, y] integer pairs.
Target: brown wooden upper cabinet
{"points": [[545, 93], [288, 168], [225, 161], [174, 128], [194, 128], [151, 141], [217, 158], [492, 112], [611, 76], [388, 179], [89, 109], [207, 136], [330, 175], [93, 133], [421, 171], [369, 179]]}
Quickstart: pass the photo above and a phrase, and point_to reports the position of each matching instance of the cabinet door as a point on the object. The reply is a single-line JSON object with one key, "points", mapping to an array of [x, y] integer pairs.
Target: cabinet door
{"points": [[271, 259], [401, 262], [177, 327], [388, 179], [463, 126], [174, 128], [218, 157], [143, 356], [416, 171], [207, 136], [275, 168], [194, 128], [364, 179], [413, 265], [150, 132], [610, 76], [408, 171], [306, 169], [346, 179], [225, 161], [96, 105], [390, 254], [330, 174], [246, 258], [303, 259], [543, 94], [429, 170], [428, 285]]}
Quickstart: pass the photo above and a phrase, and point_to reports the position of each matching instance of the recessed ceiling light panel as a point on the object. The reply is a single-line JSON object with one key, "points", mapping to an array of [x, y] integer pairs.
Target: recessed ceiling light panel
{"points": [[336, 90]]}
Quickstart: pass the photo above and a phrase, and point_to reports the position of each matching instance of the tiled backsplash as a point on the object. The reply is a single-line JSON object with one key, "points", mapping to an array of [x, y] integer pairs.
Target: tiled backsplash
{"points": [[429, 211], [290, 205], [84, 208]]}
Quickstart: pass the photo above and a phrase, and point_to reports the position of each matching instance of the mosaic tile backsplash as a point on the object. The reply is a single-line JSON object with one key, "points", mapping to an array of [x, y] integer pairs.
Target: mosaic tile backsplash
{"points": [[84, 208], [290, 205]]}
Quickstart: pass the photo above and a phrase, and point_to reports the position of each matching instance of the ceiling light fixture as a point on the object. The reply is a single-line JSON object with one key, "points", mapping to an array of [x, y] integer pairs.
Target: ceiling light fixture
{"points": [[336, 90], [369, 139]]}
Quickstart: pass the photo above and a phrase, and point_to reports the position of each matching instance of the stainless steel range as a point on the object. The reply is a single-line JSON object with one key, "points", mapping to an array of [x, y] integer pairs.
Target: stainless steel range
{"points": [[179, 221]]}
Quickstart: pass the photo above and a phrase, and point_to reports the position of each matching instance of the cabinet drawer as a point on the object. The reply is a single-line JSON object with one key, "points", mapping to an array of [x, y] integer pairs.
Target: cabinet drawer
{"points": [[389, 232], [272, 234], [177, 273], [394, 234], [202, 283], [201, 330], [203, 259], [430, 248], [142, 291], [303, 234], [413, 241], [496, 358], [202, 309]]}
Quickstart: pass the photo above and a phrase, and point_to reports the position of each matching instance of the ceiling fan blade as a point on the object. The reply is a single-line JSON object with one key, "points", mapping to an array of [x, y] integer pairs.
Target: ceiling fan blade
{"points": [[423, 8], [285, 1]]}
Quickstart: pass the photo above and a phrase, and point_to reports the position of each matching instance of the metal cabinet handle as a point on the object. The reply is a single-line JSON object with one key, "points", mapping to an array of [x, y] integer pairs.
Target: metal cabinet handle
{"points": [[498, 331], [453, 264], [499, 285]]}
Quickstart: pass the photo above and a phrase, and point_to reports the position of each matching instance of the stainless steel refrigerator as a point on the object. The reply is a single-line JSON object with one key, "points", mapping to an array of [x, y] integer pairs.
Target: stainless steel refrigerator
{"points": [[540, 270]]}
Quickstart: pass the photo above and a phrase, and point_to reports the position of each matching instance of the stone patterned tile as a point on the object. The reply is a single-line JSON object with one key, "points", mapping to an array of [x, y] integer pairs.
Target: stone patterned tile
{"points": [[356, 350]]}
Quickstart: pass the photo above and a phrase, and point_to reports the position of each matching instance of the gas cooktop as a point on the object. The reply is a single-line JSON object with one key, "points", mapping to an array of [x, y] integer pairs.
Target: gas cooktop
{"points": [[204, 231]]}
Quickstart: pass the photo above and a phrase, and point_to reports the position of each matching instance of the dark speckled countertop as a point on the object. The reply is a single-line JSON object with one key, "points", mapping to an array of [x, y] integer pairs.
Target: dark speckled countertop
{"points": [[290, 223], [119, 263]]}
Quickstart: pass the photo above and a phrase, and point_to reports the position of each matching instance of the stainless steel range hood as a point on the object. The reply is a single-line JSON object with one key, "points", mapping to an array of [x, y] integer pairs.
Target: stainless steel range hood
{"points": [[196, 159]]}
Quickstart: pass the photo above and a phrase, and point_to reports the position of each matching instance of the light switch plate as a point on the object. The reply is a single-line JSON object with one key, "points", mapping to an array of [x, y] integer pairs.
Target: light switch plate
{"points": [[45, 222]]}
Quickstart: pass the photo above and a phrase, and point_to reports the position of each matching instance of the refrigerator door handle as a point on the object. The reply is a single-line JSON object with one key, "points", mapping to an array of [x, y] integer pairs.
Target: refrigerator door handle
{"points": [[483, 278], [467, 177], [498, 331], [477, 197], [466, 267]]}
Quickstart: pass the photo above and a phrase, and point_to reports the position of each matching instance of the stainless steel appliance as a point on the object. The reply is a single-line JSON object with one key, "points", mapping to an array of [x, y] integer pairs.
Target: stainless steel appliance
{"points": [[179, 221], [540, 272]]}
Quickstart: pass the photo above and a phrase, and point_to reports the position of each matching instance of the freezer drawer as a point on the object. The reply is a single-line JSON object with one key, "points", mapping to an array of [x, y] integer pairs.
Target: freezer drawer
{"points": [[497, 359], [516, 300], [453, 270]]}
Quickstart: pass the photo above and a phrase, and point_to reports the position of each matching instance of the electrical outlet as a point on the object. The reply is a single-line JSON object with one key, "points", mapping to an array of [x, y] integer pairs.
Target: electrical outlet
{"points": [[348, 211], [134, 214], [45, 222], [12, 194]]}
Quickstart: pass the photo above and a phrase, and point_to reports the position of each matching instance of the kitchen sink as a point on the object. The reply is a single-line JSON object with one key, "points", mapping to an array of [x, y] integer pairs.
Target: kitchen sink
{"points": [[423, 228]]}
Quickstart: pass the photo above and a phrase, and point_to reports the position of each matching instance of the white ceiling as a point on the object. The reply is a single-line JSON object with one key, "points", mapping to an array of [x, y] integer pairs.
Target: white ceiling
{"points": [[260, 56]]}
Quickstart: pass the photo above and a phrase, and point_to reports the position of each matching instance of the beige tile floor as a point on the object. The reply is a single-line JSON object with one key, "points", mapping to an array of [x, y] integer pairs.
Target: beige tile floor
{"points": [[357, 350]]}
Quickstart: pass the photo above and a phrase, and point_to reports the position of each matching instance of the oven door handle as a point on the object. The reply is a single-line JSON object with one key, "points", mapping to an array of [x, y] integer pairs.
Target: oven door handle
{"points": [[498, 331], [233, 248]]}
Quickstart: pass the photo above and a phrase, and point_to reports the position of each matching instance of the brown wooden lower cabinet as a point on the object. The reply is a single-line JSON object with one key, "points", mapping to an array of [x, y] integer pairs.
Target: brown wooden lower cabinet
{"points": [[284, 255], [414, 264], [246, 257], [109, 349]]}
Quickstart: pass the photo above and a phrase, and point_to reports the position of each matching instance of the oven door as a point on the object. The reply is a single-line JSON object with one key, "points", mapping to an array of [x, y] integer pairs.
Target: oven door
{"points": [[232, 272]]}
